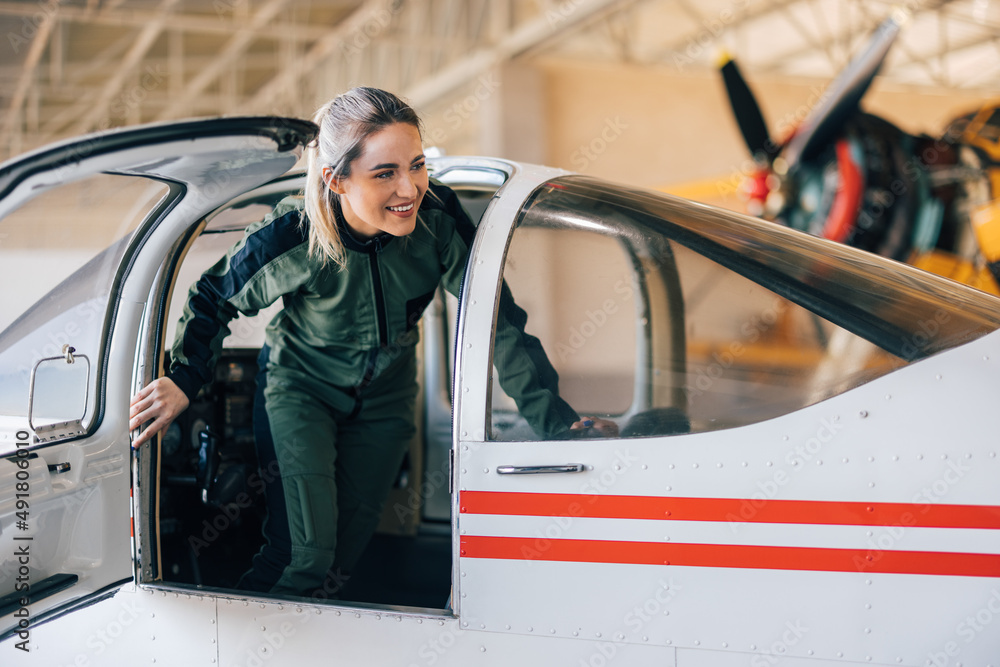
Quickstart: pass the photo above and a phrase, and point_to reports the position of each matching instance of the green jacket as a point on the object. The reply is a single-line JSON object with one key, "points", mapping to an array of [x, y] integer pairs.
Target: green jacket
{"points": [[344, 326]]}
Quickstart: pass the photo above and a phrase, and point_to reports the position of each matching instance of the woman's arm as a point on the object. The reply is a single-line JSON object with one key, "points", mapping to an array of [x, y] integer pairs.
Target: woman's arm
{"points": [[524, 370], [269, 261]]}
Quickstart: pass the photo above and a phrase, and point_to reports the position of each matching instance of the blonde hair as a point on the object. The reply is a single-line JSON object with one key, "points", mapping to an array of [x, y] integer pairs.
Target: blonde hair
{"points": [[345, 122]]}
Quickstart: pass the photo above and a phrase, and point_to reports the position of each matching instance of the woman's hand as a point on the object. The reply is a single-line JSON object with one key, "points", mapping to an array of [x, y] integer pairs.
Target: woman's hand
{"points": [[595, 427], [160, 401]]}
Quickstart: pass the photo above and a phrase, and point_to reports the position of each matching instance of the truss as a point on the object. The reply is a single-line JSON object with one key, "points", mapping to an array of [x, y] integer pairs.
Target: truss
{"points": [[89, 65]]}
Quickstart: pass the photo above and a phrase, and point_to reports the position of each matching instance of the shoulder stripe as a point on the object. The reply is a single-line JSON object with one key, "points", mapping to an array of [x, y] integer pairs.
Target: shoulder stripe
{"points": [[208, 311], [266, 244], [442, 198]]}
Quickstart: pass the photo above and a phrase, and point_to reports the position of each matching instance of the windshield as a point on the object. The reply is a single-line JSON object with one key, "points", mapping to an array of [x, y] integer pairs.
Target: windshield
{"points": [[906, 312], [669, 317]]}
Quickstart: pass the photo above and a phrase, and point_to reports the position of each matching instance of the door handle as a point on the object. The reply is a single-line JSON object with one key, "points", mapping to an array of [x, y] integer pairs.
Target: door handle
{"points": [[540, 470]]}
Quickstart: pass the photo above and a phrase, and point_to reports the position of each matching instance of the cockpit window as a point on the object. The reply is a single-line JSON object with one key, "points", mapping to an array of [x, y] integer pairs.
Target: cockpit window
{"points": [[669, 317], [59, 254]]}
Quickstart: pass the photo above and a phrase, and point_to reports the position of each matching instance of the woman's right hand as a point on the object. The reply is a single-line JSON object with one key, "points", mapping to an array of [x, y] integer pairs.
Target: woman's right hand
{"points": [[160, 401], [594, 427]]}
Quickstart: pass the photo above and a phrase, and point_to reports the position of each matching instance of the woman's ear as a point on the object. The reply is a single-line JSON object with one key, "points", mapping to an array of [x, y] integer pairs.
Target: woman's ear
{"points": [[332, 182]]}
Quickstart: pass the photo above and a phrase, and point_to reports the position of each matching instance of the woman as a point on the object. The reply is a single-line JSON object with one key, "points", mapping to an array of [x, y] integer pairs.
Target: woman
{"points": [[337, 386]]}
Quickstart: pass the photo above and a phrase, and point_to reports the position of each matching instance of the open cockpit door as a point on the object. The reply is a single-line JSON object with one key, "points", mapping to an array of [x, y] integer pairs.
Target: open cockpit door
{"points": [[85, 227]]}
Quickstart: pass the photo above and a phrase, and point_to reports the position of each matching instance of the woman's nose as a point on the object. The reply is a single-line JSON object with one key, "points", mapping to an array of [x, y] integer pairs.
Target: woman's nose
{"points": [[406, 188]]}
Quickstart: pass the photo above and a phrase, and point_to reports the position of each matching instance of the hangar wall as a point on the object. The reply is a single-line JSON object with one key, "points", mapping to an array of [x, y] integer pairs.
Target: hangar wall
{"points": [[656, 128]]}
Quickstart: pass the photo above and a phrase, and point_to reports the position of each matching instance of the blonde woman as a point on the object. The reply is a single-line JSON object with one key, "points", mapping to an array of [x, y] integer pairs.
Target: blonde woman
{"points": [[355, 267]]}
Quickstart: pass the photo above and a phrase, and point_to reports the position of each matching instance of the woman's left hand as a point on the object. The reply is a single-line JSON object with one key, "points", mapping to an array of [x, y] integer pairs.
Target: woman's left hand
{"points": [[595, 427]]}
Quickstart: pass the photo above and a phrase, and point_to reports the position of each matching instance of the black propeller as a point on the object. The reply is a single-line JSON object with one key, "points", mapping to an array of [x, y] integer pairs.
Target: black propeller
{"points": [[838, 104], [747, 112], [841, 99]]}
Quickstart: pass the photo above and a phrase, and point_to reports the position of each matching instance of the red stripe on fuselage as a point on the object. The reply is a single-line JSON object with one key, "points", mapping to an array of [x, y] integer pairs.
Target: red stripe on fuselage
{"points": [[731, 556], [821, 512]]}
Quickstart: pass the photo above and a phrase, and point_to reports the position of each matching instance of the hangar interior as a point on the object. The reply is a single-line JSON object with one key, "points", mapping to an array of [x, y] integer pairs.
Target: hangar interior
{"points": [[621, 89], [627, 90]]}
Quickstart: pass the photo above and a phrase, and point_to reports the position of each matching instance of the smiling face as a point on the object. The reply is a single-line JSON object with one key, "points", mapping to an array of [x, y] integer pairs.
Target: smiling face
{"points": [[386, 183]]}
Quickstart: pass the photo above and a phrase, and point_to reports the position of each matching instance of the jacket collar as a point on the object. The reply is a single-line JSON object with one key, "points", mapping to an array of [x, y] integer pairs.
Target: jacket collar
{"points": [[351, 242]]}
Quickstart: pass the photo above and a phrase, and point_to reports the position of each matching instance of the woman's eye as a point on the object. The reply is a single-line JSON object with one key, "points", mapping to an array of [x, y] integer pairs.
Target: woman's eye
{"points": [[418, 166], [384, 175]]}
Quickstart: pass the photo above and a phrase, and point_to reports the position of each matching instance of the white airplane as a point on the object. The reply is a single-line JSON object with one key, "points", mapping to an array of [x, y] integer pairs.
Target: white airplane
{"points": [[806, 474]]}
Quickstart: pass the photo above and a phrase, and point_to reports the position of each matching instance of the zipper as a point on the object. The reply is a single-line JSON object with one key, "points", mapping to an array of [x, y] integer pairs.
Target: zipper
{"points": [[381, 317]]}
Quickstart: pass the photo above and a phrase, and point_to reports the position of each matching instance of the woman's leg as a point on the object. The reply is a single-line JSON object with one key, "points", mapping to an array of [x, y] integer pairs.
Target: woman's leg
{"points": [[371, 448], [275, 554], [327, 476], [369, 457], [296, 445]]}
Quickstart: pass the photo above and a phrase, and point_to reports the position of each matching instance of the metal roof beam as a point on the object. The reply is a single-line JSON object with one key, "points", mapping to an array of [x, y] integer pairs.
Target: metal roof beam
{"points": [[743, 18], [98, 111], [521, 39], [369, 14], [10, 133], [234, 48], [58, 121], [210, 24], [940, 56]]}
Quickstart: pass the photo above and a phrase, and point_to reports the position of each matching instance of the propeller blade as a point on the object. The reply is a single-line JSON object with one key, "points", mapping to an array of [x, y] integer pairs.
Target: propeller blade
{"points": [[747, 111], [844, 94]]}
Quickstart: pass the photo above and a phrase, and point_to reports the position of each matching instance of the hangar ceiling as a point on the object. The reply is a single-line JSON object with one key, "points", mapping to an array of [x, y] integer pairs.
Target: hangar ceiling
{"points": [[75, 66]]}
